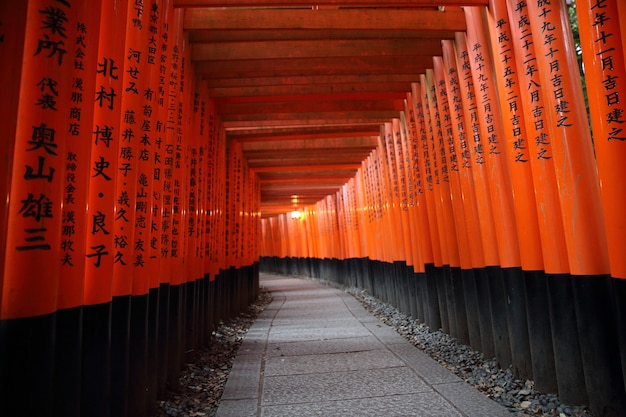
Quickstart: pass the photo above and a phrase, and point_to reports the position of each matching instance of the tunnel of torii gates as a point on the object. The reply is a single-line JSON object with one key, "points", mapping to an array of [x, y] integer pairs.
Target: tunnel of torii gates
{"points": [[489, 201]]}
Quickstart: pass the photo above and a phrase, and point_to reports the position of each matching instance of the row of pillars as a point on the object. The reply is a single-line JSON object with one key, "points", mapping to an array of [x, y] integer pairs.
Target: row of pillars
{"points": [[492, 206], [129, 224]]}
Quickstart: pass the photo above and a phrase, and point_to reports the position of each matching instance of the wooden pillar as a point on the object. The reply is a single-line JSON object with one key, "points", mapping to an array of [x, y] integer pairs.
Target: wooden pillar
{"points": [[469, 209], [34, 37], [601, 36], [576, 174]]}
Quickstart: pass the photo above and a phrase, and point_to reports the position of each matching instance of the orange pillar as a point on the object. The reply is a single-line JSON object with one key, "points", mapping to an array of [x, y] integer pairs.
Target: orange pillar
{"points": [[483, 197], [422, 237], [518, 154], [133, 73], [581, 203], [448, 152], [75, 222], [468, 196], [97, 326], [427, 170], [34, 158], [450, 247], [603, 42], [531, 203], [605, 71], [412, 182]]}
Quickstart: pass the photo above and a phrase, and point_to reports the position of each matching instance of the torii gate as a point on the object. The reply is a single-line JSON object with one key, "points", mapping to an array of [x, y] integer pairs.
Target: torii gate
{"points": [[438, 153]]}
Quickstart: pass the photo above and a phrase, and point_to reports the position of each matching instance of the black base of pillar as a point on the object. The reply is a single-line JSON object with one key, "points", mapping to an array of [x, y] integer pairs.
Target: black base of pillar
{"points": [[502, 343], [120, 339], [599, 345], [27, 365], [515, 301], [484, 313], [68, 352], [540, 332], [96, 367], [471, 308], [138, 357], [567, 356], [460, 306]]}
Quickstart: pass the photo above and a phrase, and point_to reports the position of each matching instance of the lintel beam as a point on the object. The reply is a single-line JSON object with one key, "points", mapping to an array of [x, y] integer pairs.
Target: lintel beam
{"points": [[315, 49], [335, 3], [421, 20]]}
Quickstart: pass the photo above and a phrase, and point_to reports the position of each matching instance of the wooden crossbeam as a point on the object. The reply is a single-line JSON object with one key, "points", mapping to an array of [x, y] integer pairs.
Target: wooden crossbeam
{"points": [[414, 20], [315, 49], [329, 66], [335, 3]]}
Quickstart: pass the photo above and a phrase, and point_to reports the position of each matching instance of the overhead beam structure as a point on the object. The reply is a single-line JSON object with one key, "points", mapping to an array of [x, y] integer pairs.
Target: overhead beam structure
{"points": [[289, 78]]}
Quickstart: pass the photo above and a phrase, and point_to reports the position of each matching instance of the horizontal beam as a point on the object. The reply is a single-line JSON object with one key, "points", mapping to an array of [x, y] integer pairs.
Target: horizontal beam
{"points": [[313, 132], [311, 144], [303, 180], [296, 168], [292, 81], [336, 3], [274, 123], [396, 20], [313, 66], [314, 118], [226, 35], [310, 89], [313, 106], [314, 49]]}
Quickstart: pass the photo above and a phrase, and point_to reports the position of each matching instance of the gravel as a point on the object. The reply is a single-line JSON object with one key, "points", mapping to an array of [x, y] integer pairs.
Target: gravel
{"points": [[518, 396], [203, 378], [206, 370]]}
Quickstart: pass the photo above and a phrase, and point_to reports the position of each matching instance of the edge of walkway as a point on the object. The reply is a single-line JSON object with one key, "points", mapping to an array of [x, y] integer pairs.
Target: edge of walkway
{"points": [[243, 389]]}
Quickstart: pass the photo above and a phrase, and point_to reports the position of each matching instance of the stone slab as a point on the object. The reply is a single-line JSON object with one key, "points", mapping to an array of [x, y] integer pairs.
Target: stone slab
{"points": [[334, 386], [473, 403], [238, 408], [316, 347], [244, 378], [422, 364], [417, 404], [336, 362]]}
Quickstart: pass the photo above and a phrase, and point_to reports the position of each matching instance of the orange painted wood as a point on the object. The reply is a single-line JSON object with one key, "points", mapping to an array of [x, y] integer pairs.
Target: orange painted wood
{"points": [[451, 154], [42, 93], [221, 67], [265, 3], [12, 32], [160, 239], [311, 132], [409, 146], [441, 181], [416, 126], [106, 136], [313, 118], [479, 169], [134, 73], [315, 49], [366, 19], [574, 162], [312, 88], [422, 117], [78, 169], [516, 140], [493, 140], [406, 218], [392, 193], [461, 136], [226, 35], [540, 140], [293, 81], [605, 72]]}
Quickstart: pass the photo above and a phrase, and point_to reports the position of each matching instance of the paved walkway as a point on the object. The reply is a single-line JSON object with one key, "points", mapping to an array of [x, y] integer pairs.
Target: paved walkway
{"points": [[315, 351]]}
